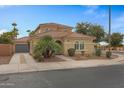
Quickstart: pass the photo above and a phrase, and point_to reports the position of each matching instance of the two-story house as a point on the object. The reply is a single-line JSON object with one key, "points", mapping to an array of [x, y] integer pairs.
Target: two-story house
{"points": [[63, 35]]}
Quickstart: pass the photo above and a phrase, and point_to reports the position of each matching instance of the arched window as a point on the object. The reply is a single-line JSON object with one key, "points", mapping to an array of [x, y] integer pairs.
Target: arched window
{"points": [[76, 45]]}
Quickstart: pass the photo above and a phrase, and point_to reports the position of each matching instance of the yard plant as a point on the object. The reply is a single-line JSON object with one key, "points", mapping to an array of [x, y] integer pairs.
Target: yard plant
{"points": [[71, 51], [98, 52], [46, 48], [108, 54], [116, 39]]}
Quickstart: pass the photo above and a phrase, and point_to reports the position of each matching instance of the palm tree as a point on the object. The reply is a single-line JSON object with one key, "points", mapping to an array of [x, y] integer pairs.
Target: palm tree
{"points": [[83, 28], [46, 47], [28, 31], [31, 33], [14, 31], [14, 24]]}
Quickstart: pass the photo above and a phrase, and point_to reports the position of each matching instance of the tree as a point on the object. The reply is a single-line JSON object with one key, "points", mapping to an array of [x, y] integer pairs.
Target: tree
{"points": [[14, 31], [91, 29], [98, 32], [14, 24], [30, 32], [46, 47], [6, 38], [116, 39], [83, 28], [9, 37]]}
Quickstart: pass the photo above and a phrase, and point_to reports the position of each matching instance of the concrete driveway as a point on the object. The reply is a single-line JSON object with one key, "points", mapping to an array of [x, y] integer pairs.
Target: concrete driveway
{"points": [[23, 62]]}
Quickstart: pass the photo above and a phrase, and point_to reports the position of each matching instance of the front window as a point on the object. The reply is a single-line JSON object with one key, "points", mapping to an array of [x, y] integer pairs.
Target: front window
{"points": [[79, 45]]}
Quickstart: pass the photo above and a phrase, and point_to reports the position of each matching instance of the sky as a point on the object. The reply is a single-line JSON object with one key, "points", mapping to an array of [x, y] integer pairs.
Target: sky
{"points": [[28, 17]]}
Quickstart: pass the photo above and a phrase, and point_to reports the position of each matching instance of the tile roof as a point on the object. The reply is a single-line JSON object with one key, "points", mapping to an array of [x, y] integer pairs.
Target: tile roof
{"points": [[63, 34], [79, 35], [53, 24], [60, 34], [56, 24], [22, 40]]}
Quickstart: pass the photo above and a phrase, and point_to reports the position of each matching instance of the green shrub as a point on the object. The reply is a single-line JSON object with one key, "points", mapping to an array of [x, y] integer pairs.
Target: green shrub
{"points": [[71, 52], [108, 54], [98, 52], [46, 47], [38, 57]]}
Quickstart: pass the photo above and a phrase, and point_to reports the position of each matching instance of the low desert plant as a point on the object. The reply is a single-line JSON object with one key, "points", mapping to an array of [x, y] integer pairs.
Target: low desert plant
{"points": [[38, 57], [71, 51], [46, 48], [108, 54], [82, 53], [98, 52]]}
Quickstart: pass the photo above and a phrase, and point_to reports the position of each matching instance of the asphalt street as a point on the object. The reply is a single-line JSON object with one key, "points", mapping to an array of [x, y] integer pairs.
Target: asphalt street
{"points": [[94, 77], [99, 77]]}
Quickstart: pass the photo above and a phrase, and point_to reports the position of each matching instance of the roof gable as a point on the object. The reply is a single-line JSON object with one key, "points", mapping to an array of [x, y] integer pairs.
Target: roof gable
{"points": [[57, 25]]}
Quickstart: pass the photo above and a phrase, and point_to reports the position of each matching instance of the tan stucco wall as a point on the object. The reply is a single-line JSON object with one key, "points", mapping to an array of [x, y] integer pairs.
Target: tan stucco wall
{"points": [[52, 28], [69, 43], [88, 46], [32, 45]]}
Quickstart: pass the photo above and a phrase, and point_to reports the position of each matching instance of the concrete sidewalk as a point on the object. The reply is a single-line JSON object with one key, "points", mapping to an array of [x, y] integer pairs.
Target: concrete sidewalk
{"points": [[23, 62]]}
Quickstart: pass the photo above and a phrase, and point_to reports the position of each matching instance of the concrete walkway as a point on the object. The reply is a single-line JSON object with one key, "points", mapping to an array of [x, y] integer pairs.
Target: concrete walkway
{"points": [[23, 62], [65, 58]]}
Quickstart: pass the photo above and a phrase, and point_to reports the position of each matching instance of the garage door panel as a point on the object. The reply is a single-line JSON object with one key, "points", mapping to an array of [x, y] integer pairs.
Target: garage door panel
{"points": [[21, 48]]}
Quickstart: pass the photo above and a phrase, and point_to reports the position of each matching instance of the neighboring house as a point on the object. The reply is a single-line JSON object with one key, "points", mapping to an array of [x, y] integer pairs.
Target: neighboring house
{"points": [[63, 35]]}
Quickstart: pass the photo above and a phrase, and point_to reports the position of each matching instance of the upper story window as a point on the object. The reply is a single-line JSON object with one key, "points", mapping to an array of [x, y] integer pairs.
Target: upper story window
{"points": [[65, 29], [48, 29], [39, 31]]}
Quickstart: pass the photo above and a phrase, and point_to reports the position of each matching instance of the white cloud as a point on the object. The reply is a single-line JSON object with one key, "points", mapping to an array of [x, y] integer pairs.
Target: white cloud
{"points": [[94, 11], [118, 24], [20, 36], [2, 31], [4, 6], [91, 9], [120, 18]]}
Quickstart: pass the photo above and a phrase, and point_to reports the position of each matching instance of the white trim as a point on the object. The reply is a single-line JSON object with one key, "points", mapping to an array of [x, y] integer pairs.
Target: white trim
{"points": [[79, 43]]}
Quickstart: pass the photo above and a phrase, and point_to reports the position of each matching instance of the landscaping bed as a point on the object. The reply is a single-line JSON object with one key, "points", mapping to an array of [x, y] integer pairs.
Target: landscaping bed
{"points": [[53, 59], [5, 59], [81, 57]]}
